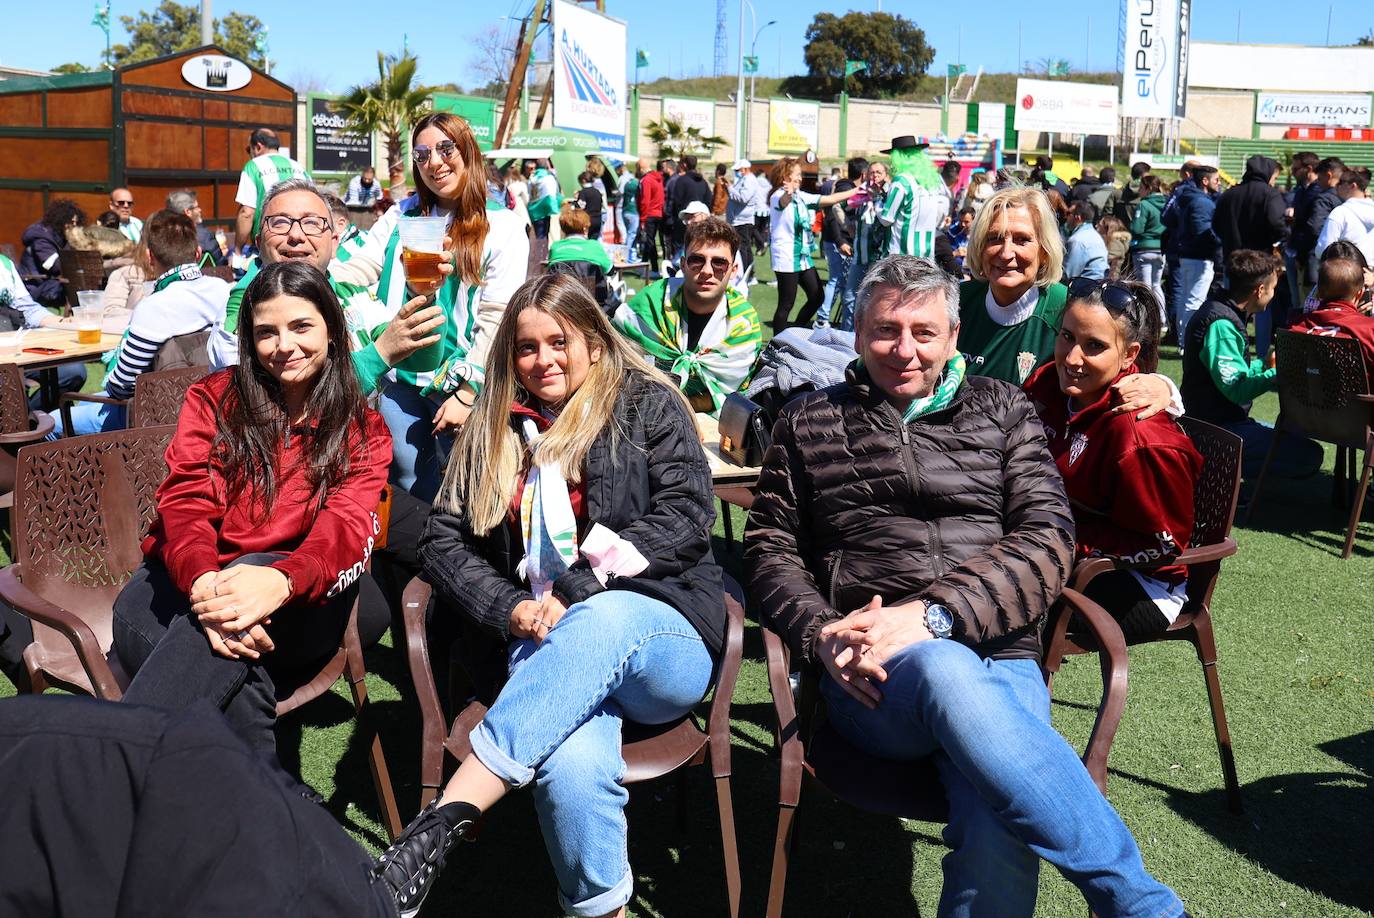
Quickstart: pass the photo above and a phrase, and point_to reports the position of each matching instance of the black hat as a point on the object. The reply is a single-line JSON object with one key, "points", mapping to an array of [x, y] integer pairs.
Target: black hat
{"points": [[905, 142]]}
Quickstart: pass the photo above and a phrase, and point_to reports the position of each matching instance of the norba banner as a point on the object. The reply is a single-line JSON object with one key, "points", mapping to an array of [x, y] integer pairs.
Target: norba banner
{"points": [[589, 73]]}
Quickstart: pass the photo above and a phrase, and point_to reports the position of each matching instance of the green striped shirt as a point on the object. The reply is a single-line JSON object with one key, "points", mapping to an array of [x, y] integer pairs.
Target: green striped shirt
{"points": [[915, 215], [791, 236], [259, 175]]}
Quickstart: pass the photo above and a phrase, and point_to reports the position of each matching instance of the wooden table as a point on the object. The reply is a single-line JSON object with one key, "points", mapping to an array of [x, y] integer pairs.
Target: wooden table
{"points": [[64, 339]]}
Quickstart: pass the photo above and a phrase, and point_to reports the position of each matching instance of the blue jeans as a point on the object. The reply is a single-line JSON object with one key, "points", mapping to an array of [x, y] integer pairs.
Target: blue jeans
{"points": [[418, 457], [857, 270], [90, 418], [839, 280], [557, 724], [70, 378], [1194, 280], [1017, 791], [1296, 457], [631, 222], [1149, 267]]}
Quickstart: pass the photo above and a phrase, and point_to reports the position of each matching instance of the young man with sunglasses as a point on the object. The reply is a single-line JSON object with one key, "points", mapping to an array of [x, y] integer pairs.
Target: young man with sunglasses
{"points": [[266, 167], [696, 327]]}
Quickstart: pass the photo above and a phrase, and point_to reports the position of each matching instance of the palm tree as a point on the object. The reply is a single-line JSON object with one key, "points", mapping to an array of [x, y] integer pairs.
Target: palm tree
{"points": [[676, 141], [390, 106]]}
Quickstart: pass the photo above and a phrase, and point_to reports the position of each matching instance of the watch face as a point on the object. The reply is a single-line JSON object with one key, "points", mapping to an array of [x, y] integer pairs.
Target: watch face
{"points": [[939, 620]]}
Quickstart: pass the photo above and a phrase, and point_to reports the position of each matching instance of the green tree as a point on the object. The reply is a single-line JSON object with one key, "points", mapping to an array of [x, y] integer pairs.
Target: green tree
{"points": [[676, 141], [72, 67], [1366, 40], [389, 106], [893, 46], [175, 27]]}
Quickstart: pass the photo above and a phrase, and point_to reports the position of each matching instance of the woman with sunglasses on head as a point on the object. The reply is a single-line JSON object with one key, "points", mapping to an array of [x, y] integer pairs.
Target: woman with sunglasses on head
{"points": [[487, 255], [573, 538], [792, 213], [1130, 482], [266, 518]]}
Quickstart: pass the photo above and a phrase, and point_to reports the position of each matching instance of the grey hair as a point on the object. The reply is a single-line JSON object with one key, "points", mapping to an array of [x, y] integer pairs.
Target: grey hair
{"points": [[181, 201], [294, 184], [909, 276]]}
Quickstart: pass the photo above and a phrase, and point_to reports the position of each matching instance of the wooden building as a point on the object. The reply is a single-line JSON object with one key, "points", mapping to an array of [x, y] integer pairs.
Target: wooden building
{"points": [[146, 126]]}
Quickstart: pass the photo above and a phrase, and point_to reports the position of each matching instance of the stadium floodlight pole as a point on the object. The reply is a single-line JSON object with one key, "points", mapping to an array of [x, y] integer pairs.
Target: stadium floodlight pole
{"points": [[739, 89], [207, 34]]}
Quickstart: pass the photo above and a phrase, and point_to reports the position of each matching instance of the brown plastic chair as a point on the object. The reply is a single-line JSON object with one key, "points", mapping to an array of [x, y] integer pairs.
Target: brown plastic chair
{"points": [[178, 353], [81, 270], [1214, 509], [18, 427], [223, 272], [649, 751], [81, 510], [1324, 395], [813, 752], [158, 396]]}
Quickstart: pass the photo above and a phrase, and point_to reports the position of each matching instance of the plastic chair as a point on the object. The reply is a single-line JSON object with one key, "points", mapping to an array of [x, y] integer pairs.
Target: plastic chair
{"points": [[18, 426], [1214, 510], [158, 396], [1324, 395], [649, 751], [178, 353], [81, 270], [81, 510]]}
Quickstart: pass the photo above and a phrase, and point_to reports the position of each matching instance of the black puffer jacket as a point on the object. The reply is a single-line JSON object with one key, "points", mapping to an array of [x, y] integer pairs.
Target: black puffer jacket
{"points": [[962, 507], [655, 492]]}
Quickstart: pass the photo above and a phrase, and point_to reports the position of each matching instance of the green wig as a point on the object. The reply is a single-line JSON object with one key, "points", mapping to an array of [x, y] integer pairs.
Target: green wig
{"points": [[915, 163]]}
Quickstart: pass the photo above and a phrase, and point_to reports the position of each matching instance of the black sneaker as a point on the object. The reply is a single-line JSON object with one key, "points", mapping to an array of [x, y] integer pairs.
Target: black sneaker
{"points": [[410, 866]]}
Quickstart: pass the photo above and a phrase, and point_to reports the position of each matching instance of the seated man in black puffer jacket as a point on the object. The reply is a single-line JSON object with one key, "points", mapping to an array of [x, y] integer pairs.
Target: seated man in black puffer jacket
{"points": [[909, 533]]}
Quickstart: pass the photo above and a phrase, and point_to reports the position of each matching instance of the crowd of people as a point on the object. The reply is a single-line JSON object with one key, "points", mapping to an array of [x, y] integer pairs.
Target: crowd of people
{"points": [[1001, 416]]}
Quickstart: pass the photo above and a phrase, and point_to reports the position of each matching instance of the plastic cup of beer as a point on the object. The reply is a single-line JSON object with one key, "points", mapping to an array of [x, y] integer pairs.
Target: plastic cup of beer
{"points": [[422, 252], [88, 315]]}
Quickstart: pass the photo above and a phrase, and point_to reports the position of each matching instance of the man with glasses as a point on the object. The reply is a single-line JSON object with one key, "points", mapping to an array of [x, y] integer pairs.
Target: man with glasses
{"points": [[297, 223], [696, 327], [122, 203], [265, 168]]}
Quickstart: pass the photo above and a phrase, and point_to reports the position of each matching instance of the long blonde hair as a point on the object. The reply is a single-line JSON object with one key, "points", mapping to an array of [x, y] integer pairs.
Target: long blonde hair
{"points": [[489, 454]]}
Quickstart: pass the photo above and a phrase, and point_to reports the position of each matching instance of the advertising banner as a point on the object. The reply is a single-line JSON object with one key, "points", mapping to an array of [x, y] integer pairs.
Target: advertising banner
{"points": [[793, 125], [480, 114], [992, 121], [1150, 73], [331, 148], [691, 113], [1183, 17], [1326, 109], [1066, 108], [589, 73]]}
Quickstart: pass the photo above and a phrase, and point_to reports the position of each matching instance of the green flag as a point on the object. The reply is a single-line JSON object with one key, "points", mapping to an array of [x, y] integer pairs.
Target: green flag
{"points": [[956, 69], [641, 58], [101, 19], [854, 67], [751, 64], [1059, 68]]}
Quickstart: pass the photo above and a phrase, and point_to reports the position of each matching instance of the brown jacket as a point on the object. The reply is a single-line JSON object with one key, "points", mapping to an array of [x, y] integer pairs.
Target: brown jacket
{"points": [[962, 507]]}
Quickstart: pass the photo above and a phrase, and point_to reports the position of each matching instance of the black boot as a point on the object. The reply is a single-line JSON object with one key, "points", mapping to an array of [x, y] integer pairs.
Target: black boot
{"points": [[410, 866]]}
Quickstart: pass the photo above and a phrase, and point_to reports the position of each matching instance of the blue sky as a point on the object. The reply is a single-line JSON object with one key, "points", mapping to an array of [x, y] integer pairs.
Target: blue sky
{"points": [[333, 43]]}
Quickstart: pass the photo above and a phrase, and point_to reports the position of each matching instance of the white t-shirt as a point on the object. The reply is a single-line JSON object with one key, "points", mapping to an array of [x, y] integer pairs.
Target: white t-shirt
{"points": [[790, 234]]}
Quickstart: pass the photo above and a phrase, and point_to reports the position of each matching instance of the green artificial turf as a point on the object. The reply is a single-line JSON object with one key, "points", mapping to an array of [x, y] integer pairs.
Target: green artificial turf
{"points": [[1293, 625]]}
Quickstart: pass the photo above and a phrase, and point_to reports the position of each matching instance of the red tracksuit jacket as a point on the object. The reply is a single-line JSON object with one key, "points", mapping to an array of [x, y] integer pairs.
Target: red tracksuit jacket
{"points": [[651, 195], [198, 531], [1131, 482], [1341, 318]]}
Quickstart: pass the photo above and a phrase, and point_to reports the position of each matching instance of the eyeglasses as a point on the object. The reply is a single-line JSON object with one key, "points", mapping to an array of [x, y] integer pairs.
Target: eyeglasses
{"points": [[128, 203], [446, 150], [718, 265], [1117, 297], [311, 224]]}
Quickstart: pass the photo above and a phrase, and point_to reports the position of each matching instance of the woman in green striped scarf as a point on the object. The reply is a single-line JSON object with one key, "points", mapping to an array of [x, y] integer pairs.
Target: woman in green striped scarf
{"points": [[488, 255], [791, 212]]}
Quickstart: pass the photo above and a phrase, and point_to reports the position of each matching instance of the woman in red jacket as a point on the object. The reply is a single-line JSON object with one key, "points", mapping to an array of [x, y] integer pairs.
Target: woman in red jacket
{"points": [[1130, 481], [266, 518]]}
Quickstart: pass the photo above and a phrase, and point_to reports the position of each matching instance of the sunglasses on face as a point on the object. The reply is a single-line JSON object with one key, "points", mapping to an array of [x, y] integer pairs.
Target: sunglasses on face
{"points": [[311, 224], [1116, 296], [128, 203], [718, 265], [445, 149]]}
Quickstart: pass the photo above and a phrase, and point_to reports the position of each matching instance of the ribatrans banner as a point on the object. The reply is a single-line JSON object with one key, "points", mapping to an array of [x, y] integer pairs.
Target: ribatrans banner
{"points": [[691, 113], [793, 126], [589, 73], [1066, 108], [1325, 109], [1150, 75]]}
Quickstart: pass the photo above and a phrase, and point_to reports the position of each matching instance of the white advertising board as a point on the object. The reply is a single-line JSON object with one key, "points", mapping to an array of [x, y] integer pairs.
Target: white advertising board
{"points": [[1325, 109], [1291, 68], [589, 73], [1152, 49], [691, 113], [1066, 108], [992, 121]]}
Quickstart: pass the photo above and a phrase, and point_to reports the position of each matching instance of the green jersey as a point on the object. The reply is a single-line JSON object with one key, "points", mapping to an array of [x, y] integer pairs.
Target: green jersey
{"points": [[259, 175], [580, 248], [791, 233], [1009, 352], [915, 215]]}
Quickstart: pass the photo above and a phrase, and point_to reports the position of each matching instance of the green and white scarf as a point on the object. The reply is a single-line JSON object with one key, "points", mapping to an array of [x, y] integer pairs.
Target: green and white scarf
{"points": [[166, 279], [547, 523], [951, 378], [654, 320]]}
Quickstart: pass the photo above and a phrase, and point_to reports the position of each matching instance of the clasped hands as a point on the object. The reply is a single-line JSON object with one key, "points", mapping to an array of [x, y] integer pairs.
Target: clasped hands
{"points": [[854, 648], [234, 606], [532, 618]]}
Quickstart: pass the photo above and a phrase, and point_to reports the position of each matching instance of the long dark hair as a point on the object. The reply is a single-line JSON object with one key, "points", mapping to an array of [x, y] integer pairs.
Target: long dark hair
{"points": [[1137, 315], [253, 422]]}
